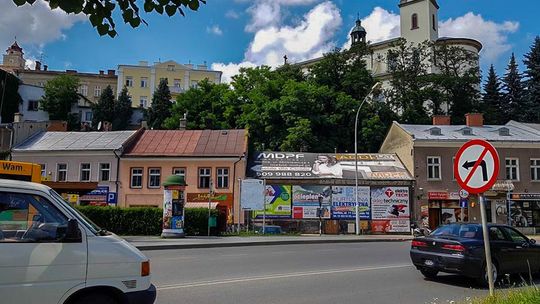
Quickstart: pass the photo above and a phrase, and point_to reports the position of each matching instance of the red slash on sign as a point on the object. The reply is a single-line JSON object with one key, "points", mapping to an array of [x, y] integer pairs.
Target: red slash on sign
{"points": [[472, 155]]}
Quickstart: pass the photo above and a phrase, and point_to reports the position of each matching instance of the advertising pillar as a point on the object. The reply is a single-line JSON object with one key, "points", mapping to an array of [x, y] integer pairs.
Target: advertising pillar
{"points": [[173, 207]]}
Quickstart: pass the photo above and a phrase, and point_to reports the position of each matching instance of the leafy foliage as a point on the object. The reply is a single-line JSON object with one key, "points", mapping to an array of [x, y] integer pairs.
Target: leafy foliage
{"points": [[101, 12], [9, 96], [161, 106], [60, 95]]}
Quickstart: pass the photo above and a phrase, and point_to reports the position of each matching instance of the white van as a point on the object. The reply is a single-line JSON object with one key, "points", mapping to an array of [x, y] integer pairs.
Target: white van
{"points": [[50, 253]]}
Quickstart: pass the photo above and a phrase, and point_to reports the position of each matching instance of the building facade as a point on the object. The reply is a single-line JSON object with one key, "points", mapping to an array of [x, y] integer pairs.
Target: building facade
{"points": [[211, 162], [83, 166], [143, 79], [428, 151]]}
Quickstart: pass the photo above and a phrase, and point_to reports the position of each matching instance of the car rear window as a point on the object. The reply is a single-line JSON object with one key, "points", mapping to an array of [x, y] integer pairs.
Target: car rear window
{"points": [[463, 231]]}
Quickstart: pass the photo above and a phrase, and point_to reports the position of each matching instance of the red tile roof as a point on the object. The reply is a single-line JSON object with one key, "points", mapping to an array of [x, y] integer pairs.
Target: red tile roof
{"points": [[189, 143]]}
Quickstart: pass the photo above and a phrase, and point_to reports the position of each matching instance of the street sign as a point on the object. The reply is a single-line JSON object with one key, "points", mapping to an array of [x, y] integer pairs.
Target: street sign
{"points": [[476, 166], [112, 198], [463, 202], [463, 193]]}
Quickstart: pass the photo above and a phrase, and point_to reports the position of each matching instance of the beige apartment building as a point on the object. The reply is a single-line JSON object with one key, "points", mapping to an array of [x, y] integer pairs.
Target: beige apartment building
{"points": [[428, 152], [142, 80]]}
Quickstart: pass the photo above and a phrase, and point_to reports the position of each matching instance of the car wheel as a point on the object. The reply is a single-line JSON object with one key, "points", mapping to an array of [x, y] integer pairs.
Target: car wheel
{"points": [[429, 273], [484, 281], [96, 298]]}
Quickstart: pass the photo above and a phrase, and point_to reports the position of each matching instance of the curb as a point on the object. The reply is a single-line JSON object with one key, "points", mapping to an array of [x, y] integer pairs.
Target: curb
{"points": [[263, 243]]}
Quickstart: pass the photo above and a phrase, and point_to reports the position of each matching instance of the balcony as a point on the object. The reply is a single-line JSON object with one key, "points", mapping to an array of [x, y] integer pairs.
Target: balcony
{"points": [[176, 89]]}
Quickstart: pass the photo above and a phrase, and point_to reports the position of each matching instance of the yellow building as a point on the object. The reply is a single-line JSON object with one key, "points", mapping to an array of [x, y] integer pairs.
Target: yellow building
{"points": [[142, 80]]}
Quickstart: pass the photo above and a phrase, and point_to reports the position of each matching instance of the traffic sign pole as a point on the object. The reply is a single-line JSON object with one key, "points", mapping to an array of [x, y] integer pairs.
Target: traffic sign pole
{"points": [[487, 247]]}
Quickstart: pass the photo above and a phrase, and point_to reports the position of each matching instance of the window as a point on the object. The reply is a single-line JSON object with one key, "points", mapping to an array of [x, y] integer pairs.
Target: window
{"points": [[512, 169], [85, 172], [154, 177], [144, 82], [222, 177], [514, 235], [392, 61], [194, 84], [88, 116], [129, 81], [535, 169], [29, 218], [143, 102], [136, 177], [434, 22], [180, 172], [33, 105], [104, 172], [495, 234], [434, 167], [170, 67], [83, 89], [204, 177], [61, 172], [97, 91], [177, 83], [43, 170], [414, 21]]}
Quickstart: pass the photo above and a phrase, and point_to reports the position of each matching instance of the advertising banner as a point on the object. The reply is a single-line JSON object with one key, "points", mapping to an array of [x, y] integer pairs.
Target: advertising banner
{"points": [[290, 165], [220, 198], [278, 202], [306, 200], [252, 194], [390, 204], [344, 202]]}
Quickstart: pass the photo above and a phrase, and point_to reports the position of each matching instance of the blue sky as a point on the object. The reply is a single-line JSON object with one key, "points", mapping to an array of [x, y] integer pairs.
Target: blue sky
{"points": [[232, 33]]}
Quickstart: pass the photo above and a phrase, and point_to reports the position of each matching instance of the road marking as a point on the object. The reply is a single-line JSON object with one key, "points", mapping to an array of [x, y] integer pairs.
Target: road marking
{"points": [[278, 276]]}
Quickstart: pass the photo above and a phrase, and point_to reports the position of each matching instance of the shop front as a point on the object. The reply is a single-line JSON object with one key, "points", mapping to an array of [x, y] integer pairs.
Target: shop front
{"points": [[223, 202], [525, 209], [446, 207]]}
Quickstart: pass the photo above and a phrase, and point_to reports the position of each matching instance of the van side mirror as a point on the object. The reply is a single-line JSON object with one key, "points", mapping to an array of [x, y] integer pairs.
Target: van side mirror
{"points": [[73, 233]]}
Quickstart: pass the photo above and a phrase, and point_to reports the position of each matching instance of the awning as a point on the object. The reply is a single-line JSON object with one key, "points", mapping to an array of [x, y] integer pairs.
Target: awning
{"points": [[191, 205], [503, 186]]}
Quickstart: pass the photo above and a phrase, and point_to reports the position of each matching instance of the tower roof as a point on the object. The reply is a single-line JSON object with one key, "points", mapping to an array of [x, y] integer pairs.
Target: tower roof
{"points": [[358, 27], [15, 47]]}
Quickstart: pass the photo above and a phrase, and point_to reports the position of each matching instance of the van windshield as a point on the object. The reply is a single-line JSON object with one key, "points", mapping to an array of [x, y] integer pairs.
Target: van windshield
{"points": [[80, 217]]}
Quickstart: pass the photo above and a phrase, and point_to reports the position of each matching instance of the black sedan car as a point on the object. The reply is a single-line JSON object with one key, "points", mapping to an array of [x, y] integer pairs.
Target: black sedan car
{"points": [[459, 248]]}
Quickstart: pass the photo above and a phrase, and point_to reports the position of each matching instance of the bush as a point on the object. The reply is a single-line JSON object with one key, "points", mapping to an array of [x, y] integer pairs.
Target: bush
{"points": [[143, 220], [518, 296]]}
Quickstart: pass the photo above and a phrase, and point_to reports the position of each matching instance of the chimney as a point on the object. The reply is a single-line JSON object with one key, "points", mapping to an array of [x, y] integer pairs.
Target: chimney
{"points": [[441, 120], [45, 67], [18, 117], [144, 124], [38, 66], [474, 119], [111, 72], [101, 72], [183, 122]]}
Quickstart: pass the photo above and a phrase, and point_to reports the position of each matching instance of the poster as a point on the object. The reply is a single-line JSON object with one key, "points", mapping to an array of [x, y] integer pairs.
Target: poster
{"points": [[306, 201], [278, 201], [448, 216], [390, 209], [344, 202]]}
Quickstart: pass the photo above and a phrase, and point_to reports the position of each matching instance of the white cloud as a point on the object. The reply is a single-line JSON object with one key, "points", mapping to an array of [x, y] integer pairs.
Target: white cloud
{"points": [[214, 29], [494, 36], [231, 69], [231, 14], [311, 37], [268, 12], [34, 25]]}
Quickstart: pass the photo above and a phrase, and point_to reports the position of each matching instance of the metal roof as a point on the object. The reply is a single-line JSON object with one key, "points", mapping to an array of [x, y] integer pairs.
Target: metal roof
{"points": [[455, 133], [75, 141]]}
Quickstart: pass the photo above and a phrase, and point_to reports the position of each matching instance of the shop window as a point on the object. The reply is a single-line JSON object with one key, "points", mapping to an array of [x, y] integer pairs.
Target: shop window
{"points": [[154, 178], [105, 172], [204, 177], [136, 177], [535, 169], [61, 172], [434, 167], [85, 172], [223, 177], [512, 169]]}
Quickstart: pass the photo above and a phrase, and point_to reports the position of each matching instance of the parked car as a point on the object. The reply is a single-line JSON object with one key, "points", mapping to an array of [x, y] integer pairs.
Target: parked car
{"points": [[50, 253], [459, 248]]}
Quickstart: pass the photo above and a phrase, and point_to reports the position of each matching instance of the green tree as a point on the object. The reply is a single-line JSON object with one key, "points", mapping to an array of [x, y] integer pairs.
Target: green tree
{"points": [[161, 106], [9, 96], [103, 110], [532, 82], [513, 99], [102, 13], [122, 111], [492, 99], [60, 95]]}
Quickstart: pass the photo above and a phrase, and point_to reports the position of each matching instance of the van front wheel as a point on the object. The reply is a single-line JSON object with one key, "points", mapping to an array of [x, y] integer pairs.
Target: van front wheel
{"points": [[96, 298]]}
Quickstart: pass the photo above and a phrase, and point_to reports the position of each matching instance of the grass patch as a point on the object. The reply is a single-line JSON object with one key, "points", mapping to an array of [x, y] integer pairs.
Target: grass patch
{"points": [[528, 295]]}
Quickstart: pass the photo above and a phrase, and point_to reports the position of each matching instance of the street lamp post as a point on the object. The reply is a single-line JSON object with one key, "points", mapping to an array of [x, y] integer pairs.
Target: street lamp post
{"points": [[357, 209]]}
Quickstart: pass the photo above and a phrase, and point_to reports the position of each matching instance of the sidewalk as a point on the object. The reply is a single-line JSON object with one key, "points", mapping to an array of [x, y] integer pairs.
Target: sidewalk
{"points": [[157, 243]]}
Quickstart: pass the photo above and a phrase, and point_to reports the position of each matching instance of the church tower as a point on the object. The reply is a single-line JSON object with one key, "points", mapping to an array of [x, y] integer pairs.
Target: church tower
{"points": [[14, 57], [419, 20], [358, 33]]}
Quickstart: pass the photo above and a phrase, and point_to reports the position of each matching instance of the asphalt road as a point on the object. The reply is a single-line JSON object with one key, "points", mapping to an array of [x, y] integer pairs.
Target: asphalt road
{"points": [[311, 274]]}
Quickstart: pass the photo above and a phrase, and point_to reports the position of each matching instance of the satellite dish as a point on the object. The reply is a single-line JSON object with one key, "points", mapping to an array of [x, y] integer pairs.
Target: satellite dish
{"points": [[99, 126]]}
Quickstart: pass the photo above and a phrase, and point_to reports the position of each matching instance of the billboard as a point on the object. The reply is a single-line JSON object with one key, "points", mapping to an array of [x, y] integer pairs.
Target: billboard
{"points": [[390, 210], [278, 201], [344, 202], [305, 202], [291, 165], [252, 194]]}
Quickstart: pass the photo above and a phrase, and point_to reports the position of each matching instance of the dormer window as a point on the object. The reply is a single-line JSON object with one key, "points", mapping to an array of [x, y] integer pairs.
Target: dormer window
{"points": [[504, 132], [435, 131], [414, 21], [467, 131]]}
